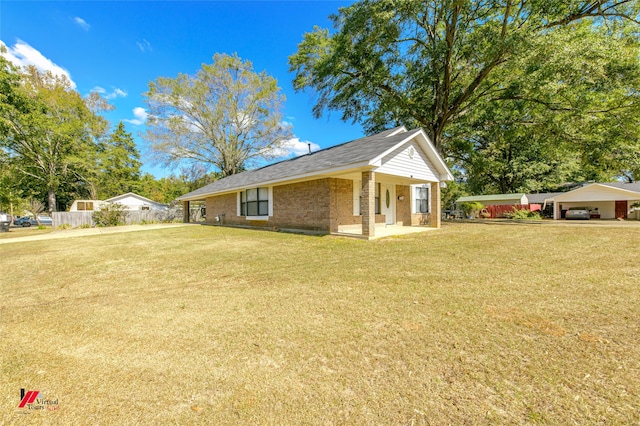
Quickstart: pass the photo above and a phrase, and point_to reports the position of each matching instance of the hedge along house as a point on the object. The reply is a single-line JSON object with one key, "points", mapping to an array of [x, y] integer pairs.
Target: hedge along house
{"points": [[391, 178]]}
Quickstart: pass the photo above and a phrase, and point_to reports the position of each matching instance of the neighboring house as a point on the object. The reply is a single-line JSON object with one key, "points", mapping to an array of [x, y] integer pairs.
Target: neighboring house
{"points": [[610, 200], [86, 205], [392, 178], [130, 201]]}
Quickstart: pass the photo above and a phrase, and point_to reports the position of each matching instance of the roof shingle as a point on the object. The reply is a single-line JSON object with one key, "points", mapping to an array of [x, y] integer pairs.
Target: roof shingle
{"points": [[348, 153]]}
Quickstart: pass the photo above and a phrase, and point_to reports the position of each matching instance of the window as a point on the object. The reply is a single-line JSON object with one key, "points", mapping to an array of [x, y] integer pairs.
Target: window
{"points": [[254, 202], [85, 205], [422, 199]]}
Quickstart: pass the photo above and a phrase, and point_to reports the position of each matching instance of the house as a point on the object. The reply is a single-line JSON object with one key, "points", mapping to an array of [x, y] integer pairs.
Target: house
{"points": [[130, 201], [391, 178], [610, 200], [86, 205]]}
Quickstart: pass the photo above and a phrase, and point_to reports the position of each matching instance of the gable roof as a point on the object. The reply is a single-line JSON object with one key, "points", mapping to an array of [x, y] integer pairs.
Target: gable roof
{"points": [[134, 195], [611, 191], [360, 153]]}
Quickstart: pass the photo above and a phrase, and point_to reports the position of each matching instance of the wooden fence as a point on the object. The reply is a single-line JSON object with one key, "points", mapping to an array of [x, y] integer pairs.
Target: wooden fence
{"points": [[498, 211], [132, 217]]}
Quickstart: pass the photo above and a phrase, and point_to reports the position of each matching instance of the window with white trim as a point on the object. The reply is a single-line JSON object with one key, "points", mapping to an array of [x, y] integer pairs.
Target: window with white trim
{"points": [[422, 199], [254, 202]]}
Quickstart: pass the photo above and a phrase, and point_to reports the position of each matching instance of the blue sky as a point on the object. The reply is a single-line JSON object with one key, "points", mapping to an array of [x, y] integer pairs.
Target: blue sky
{"points": [[118, 47]]}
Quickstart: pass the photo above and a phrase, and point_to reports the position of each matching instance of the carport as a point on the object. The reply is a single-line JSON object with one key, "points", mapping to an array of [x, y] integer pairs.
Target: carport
{"points": [[604, 200]]}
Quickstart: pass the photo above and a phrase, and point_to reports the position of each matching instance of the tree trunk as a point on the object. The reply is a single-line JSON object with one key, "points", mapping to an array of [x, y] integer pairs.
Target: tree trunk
{"points": [[52, 201]]}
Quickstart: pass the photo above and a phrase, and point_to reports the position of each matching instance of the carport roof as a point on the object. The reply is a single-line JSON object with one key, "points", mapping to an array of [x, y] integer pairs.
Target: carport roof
{"points": [[612, 191]]}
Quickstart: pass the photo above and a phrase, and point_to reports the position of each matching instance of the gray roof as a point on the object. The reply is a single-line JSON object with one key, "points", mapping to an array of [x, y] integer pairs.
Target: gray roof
{"points": [[343, 155], [490, 197], [629, 186], [542, 197]]}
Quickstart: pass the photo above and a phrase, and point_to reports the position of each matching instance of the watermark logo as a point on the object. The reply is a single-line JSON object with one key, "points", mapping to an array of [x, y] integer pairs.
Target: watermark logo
{"points": [[33, 400]]}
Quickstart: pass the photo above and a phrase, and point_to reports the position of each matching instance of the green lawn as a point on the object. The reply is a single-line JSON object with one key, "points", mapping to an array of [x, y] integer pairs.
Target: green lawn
{"points": [[473, 324]]}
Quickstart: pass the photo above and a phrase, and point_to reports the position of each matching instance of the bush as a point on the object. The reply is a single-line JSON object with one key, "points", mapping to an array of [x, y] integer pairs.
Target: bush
{"points": [[522, 214], [471, 208], [64, 226], [110, 215]]}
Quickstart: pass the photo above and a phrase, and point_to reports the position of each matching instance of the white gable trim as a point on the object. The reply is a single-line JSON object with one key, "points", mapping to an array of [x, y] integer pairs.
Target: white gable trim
{"points": [[427, 147], [597, 192]]}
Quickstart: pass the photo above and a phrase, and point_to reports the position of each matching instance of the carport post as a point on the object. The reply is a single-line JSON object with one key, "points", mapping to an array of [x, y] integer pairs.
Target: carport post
{"points": [[185, 211]]}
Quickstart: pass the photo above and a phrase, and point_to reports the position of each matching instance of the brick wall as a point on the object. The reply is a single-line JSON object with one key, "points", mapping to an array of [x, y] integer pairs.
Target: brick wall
{"points": [[403, 208], [323, 205], [303, 205], [223, 205]]}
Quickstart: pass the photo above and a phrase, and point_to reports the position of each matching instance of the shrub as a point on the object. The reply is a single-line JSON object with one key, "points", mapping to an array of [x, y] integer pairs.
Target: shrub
{"points": [[522, 214], [64, 226], [110, 215], [471, 208], [84, 226]]}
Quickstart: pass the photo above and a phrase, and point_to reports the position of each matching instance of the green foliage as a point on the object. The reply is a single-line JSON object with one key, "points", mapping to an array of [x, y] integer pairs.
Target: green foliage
{"points": [[522, 214], [49, 131], [118, 168], [518, 95], [110, 215], [64, 226], [223, 117], [471, 208]]}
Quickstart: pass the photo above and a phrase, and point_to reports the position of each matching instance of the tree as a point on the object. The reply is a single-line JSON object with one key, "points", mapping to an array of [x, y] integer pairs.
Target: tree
{"points": [[223, 117], [118, 164], [50, 131], [432, 63]]}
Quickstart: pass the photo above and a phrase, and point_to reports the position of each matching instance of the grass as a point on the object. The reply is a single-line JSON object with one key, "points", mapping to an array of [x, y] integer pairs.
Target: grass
{"points": [[473, 324], [15, 232]]}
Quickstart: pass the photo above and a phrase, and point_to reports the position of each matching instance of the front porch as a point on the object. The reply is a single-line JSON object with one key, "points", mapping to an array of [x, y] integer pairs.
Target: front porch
{"points": [[383, 231]]}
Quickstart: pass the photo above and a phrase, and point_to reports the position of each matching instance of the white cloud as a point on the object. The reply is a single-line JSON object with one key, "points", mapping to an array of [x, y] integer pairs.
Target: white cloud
{"points": [[82, 23], [117, 93], [295, 147], [140, 115], [22, 55], [144, 46]]}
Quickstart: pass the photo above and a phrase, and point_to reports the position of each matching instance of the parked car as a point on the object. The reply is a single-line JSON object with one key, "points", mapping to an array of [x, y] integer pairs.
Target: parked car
{"points": [[577, 213], [5, 221], [28, 221]]}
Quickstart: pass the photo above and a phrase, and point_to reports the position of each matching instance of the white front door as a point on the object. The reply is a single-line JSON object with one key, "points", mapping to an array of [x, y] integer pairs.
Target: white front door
{"points": [[388, 203]]}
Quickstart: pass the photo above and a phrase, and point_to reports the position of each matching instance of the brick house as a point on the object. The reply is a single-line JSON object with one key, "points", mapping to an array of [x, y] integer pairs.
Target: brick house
{"points": [[388, 179]]}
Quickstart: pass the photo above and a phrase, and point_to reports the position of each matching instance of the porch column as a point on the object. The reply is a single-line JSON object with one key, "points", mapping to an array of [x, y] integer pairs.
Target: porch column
{"points": [[368, 204], [185, 211], [436, 207]]}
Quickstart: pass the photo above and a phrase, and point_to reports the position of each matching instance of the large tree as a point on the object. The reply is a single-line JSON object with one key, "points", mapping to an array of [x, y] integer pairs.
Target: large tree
{"points": [[434, 63], [118, 168], [223, 116], [49, 132]]}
